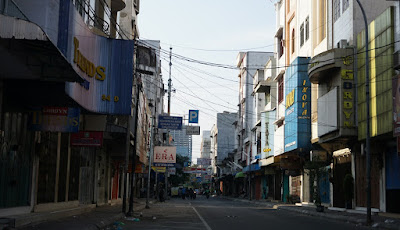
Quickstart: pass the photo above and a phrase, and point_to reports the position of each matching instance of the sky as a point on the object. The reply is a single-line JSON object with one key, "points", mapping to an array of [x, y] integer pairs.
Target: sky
{"points": [[212, 31]]}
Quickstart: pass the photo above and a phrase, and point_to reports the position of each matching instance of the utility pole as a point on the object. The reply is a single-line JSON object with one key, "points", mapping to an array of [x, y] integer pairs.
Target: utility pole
{"points": [[138, 89], [169, 113], [367, 95], [150, 159]]}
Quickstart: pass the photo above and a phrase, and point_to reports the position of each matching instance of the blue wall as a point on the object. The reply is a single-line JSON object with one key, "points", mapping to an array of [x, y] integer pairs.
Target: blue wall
{"points": [[298, 114]]}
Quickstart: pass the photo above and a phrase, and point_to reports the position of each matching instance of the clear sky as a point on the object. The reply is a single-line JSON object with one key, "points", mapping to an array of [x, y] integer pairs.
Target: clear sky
{"points": [[213, 31]]}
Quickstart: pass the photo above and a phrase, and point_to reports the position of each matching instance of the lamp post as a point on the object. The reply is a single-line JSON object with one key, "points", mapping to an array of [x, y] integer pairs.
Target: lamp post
{"points": [[367, 94]]}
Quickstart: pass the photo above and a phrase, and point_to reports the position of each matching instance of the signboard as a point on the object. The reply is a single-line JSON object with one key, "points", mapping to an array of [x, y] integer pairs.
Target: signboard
{"points": [[169, 122], [194, 170], [172, 171], [192, 130], [158, 169], [164, 164], [194, 116], [204, 161], [54, 119], [85, 138], [396, 105], [297, 128], [165, 154], [104, 64]]}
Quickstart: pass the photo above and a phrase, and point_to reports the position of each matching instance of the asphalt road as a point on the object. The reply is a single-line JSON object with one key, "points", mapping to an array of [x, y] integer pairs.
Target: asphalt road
{"points": [[218, 213]]}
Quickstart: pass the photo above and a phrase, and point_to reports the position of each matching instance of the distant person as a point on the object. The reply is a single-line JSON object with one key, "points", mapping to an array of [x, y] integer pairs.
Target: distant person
{"points": [[191, 193], [161, 195], [183, 193]]}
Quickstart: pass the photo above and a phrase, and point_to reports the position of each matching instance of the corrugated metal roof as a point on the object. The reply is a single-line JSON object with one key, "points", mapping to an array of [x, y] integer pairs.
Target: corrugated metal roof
{"points": [[11, 27]]}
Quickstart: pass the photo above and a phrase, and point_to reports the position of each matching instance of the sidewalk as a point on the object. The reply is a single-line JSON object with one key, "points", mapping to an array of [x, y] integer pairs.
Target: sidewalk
{"points": [[97, 218], [380, 221]]}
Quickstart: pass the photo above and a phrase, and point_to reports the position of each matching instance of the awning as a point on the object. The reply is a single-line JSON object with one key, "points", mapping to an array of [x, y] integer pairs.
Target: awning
{"points": [[268, 161], [240, 175], [252, 168], [31, 54], [342, 152]]}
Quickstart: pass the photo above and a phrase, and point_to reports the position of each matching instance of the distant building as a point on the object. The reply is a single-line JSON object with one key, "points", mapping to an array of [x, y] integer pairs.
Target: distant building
{"points": [[205, 147], [182, 142]]}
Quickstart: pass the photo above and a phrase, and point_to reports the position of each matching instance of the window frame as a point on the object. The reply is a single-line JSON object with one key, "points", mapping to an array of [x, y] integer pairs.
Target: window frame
{"points": [[302, 41], [280, 89]]}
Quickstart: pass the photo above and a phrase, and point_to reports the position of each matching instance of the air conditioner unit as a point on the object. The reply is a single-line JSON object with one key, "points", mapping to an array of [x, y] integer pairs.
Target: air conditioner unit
{"points": [[342, 44]]}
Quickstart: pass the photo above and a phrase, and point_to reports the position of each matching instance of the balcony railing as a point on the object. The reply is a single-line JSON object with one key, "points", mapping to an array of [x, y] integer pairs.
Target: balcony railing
{"points": [[86, 10]]}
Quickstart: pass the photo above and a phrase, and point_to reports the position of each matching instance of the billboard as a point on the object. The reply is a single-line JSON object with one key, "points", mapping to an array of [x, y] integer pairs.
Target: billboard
{"points": [[164, 155], [298, 106], [169, 122]]}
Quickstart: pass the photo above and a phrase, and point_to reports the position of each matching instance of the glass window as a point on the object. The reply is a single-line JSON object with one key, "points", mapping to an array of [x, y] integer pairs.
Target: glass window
{"points": [[307, 28], [336, 10], [302, 34], [280, 46], [293, 40], [280, 90], [345, 5]]}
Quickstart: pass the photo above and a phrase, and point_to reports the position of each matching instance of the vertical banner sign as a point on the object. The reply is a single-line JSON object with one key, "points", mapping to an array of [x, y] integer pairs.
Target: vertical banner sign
{"points": [[396, 105], [194, 116]]}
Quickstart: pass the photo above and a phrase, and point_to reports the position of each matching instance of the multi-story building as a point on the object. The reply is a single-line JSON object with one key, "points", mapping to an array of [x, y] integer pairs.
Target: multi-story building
{"points": [[61, 144], [223, 145], [339, 101], [182, 142], [248, 63], [205, 148]]}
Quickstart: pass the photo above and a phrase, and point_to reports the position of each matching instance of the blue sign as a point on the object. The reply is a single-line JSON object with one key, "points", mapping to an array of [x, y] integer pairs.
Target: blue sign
{"points": [[194, 116], [298, 106], [54, 119], [164, 164], [169, 122]]}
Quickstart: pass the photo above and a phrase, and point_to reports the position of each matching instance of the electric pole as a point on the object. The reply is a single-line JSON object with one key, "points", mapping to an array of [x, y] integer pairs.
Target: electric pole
{"points": [[169, 113]]}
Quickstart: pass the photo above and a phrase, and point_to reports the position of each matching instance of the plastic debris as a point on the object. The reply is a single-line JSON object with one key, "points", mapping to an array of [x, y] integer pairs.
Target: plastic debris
{"points": [[136, 220], [141, 214], [375, 225], [154, 217], [389, 221]]}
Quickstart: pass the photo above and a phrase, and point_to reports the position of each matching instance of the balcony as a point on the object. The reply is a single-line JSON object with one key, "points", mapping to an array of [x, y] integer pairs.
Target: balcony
{"points": [[117, 5], [327, 61]]}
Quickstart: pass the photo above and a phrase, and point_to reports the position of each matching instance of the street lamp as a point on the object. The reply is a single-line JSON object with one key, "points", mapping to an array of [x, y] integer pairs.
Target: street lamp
{"points": [[368, 144]]}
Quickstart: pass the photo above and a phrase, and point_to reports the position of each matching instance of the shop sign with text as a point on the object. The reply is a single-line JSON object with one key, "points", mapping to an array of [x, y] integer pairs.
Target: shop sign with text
{"points": [[87, 138], [54, 119]]}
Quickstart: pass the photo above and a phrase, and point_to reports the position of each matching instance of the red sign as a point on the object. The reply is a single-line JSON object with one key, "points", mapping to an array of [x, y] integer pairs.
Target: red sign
{"points": [[85, 138], [165, 154]]}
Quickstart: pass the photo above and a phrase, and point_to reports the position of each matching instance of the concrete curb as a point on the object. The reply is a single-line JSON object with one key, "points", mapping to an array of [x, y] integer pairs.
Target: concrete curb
{"points": [[331, 216]]}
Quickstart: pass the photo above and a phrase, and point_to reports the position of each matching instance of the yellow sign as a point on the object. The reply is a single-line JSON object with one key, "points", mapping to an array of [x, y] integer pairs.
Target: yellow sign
{"points": [[86, 66], [267, 150], [348, 108], [290, 99], [158, 169]]}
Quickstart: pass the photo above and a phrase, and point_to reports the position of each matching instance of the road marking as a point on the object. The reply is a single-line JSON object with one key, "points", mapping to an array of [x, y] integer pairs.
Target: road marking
{"points": [[202, 219]]}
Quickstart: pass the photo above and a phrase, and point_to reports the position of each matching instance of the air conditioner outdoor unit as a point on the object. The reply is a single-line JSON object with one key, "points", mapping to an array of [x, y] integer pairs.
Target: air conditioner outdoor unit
{"points": [[342, 44]]}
